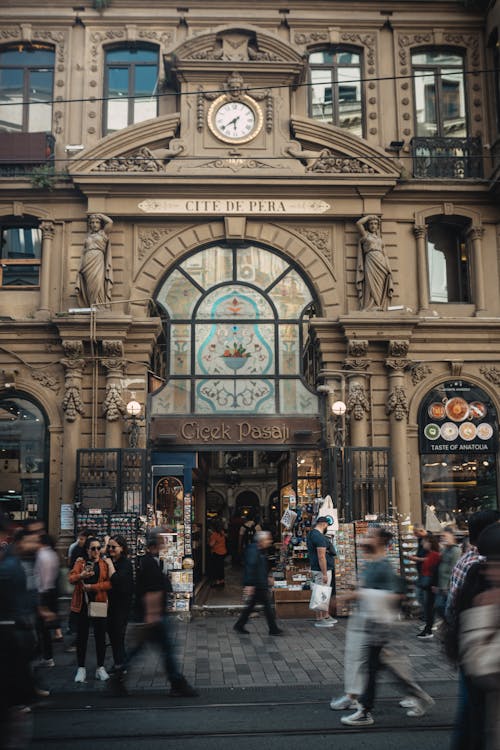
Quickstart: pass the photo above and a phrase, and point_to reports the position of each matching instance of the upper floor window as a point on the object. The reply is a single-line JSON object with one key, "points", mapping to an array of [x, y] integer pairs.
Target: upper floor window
{"points": [[448, 259], [131, 82], [20, 252], [439, 89], [335, 89], [26, 88]]}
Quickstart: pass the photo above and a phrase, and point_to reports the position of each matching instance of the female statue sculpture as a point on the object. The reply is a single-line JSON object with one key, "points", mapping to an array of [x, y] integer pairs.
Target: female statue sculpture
{"points": [[373, 273], [95, 277]]}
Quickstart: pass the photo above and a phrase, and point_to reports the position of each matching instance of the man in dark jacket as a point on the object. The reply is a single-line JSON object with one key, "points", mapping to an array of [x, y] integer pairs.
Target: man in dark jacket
{"points": [[256, 583], [153, 586]]}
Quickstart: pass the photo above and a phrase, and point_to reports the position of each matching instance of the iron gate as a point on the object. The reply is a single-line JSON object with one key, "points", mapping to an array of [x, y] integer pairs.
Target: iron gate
{"points": [[362, 482]]}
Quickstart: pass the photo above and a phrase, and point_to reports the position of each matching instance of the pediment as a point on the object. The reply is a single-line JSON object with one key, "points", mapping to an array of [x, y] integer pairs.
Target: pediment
{"points": [[145, 147], [328, 150], [237, 44]]}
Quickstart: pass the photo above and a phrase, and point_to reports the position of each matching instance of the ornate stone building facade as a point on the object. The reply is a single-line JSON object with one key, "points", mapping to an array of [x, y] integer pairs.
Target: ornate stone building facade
{"points": [[251, 203]]}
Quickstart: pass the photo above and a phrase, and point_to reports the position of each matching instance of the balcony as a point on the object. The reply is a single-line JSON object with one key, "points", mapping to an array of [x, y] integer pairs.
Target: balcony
{"points": [[447, 158], [20, 153]]}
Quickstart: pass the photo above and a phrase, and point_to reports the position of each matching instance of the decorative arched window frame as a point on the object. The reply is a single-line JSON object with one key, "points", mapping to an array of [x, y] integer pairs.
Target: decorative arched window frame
{"points": [[21, 240], [33, 72], [333, 68], [233, 349], [471, 220], [129, 67]]}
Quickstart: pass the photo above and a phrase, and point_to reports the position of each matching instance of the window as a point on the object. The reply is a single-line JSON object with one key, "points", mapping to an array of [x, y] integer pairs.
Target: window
{"points": [[20, 253], [439, 89], [448, 260], [234, 322], [130, 86], [335, 89], [26, 88]]}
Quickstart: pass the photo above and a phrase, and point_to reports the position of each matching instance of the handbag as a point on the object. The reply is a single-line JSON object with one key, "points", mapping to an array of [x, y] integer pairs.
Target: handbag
{"points": [[96, 609], [479, 645], [320, 597]]}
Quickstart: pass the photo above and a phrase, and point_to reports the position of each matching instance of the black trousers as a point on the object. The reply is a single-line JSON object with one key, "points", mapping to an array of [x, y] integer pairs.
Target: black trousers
{"points": [[216, 567], [260, 596], [117, 628], [82, 637], [429, 598]]}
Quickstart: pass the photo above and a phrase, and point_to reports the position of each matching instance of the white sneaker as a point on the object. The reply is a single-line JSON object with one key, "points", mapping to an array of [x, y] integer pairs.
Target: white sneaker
{"points": [[332, 620], [46, 663], [81, 675], [407, 702], [324, 624], [420, 707], [101, 674], [345, 703], [362, 718]]}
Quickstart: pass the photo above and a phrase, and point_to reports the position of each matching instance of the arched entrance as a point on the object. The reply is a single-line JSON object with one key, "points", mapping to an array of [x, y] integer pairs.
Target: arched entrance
{"points": [[458, 440], [24, 457]]}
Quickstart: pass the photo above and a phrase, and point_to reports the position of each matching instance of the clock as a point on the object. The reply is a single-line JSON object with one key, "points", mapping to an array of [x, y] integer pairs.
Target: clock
{"points": [[235, 120]]}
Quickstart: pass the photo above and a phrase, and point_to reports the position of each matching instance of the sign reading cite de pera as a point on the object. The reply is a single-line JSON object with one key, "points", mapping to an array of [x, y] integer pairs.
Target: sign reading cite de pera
{"points": [[232, 206], [236, 431]]}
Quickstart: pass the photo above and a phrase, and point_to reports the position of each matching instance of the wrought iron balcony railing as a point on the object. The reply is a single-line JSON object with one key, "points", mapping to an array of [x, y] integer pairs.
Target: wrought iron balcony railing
{"points": [[447, 158]]}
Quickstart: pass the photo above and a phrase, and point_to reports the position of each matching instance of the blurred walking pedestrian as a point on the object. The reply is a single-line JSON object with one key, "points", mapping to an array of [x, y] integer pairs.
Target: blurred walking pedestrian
{"points": [[153, 587], [428, 583], [218, 552], [379, 596], [91, 581], [450, 552], [256, 582], [46, 574]]}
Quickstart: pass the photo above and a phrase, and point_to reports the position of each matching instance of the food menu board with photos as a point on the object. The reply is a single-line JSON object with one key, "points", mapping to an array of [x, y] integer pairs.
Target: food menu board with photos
{"points": [[457, 417]]}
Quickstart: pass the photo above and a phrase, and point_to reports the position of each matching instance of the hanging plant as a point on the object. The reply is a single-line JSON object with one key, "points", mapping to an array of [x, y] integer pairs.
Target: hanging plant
{"points": [[43, 177], [101, 4]]}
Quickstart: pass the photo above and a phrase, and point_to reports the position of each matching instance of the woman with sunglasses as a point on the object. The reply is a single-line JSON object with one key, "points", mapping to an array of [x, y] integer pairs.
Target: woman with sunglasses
{"points": [[120, 598], [91, 581]]}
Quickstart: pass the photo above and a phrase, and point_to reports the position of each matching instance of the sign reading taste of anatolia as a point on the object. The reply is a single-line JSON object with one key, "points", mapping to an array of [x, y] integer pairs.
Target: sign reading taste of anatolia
{"points": [[233, 430], [233, 206]]}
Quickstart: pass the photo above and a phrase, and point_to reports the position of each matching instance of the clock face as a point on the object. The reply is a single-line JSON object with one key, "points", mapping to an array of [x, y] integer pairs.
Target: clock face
{"points": [[235, 121]]}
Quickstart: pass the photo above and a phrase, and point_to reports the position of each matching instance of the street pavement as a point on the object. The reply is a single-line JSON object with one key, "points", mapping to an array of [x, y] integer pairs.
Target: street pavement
{"points": [[256, 691], [213, 655]]}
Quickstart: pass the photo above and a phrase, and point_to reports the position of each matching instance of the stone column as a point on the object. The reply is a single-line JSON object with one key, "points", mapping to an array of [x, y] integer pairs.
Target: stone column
{"points": [[48, 231], [422, 270], [74, 364], [475, 235], [357, 401], [397, 410], [113, 407]]}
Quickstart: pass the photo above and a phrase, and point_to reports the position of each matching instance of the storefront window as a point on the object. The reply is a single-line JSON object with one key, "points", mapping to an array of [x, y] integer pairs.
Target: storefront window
{"points": [[23, 459], [458, 431], [234, 327]]}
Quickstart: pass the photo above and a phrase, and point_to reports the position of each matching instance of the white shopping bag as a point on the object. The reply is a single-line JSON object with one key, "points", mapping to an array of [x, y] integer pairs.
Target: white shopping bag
{"points": [[320, 597]]}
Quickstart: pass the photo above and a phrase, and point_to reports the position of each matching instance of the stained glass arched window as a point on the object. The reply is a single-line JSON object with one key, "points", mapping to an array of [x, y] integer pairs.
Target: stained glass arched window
{"points": [[234, 322]]}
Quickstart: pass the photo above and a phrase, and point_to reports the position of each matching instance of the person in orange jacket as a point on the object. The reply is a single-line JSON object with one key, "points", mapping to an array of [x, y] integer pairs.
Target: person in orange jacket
{"points": [[91, 581]]}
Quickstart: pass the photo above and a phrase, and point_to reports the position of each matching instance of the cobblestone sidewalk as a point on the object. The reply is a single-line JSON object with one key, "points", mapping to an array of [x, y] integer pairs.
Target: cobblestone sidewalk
{"points": [[213, 655]]}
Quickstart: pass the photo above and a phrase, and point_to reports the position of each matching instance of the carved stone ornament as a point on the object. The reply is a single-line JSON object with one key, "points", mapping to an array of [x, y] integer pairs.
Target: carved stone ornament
{"points": [[143, 160], [72, 403], [149, 239], [491, 373], [419, 372], [397, 403], [456, 367], [112, 348], [398, 347], [72, 349], [358, 347], [356, 364], [357, 401], [113, 407], [318, 239], [311, 37], [46, 380], [234, 47], [235, 163], [331, 162], [398, 365]]}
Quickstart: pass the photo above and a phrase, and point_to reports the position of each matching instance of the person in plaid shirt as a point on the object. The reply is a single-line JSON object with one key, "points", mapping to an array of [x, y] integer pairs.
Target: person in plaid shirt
{"points": [[463, 731], [477, 522]]}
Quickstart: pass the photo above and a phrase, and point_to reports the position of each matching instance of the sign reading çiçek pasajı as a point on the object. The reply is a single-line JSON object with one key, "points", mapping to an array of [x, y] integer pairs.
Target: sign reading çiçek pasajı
{"points": [[232, 206]]}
